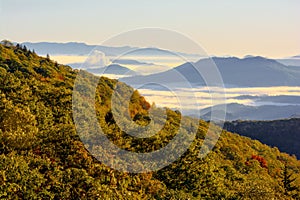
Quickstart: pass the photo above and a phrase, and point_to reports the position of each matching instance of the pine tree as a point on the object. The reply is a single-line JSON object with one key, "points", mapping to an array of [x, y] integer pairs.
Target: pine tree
{"points": [[288, 181], [24, 48]]}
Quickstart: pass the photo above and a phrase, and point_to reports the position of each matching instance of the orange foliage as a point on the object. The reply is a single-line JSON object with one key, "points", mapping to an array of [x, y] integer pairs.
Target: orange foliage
{"points": [[43, 79], [60, 77], [261, 160], [146, 105]]}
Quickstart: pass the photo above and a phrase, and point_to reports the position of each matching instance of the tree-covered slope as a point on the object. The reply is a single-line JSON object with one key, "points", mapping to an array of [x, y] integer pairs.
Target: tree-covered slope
{"points": [[42, 156], [283, 134]]}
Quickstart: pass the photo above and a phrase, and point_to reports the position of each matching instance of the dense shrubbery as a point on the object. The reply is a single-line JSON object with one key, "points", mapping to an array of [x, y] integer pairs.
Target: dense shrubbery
{"points": [[42, 157]]}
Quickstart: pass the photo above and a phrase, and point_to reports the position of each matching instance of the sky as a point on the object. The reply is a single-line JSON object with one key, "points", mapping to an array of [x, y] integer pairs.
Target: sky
{"points": [[268, 28]]}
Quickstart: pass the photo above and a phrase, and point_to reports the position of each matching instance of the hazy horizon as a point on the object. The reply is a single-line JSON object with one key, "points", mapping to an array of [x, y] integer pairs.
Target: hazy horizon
{"points": [[81, 56], [269, 28]]}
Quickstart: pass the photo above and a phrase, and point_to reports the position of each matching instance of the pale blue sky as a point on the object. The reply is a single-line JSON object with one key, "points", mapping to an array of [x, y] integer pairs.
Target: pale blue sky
{"points": [[232, 27]]}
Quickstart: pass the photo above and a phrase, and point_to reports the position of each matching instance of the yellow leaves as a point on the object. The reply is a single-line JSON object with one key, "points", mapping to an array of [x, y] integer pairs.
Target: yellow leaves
{"points": [[17, 124], [2, 177], [55, 164]]}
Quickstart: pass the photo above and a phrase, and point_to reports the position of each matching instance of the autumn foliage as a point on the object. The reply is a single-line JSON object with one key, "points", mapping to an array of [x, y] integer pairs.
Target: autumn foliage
{"points": [[261, 160], [43, 157]]}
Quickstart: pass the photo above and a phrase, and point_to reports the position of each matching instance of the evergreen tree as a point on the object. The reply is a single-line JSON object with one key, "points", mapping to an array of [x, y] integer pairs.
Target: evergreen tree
{"points": [[288, 181]]}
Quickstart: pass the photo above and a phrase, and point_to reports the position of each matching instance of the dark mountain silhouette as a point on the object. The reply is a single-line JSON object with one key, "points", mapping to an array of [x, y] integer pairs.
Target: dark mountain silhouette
{"points": [[283, 134]]}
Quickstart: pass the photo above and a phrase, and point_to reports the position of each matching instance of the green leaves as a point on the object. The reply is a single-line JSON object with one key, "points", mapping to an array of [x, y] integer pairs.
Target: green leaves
{"points": [[42, 157]]}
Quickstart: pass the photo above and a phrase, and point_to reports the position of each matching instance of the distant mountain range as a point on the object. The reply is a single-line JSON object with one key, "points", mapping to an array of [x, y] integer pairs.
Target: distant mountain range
{"points": [[280, 99], [246, 72], [76, 48], [73, 48], [236, 111], [250, 71], [112, 69], [79, 48], [293, 61], [130, 62], [127, 62]]}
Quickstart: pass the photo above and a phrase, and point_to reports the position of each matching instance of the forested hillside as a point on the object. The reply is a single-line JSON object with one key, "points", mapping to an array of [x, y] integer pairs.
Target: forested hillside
{"points": [[42, 157], [283, 134]]}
